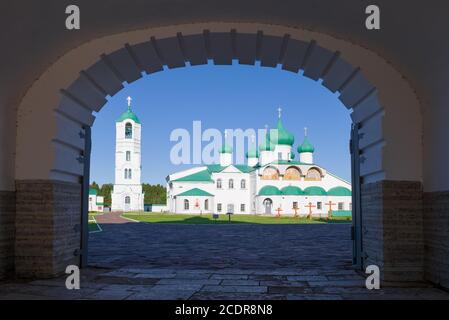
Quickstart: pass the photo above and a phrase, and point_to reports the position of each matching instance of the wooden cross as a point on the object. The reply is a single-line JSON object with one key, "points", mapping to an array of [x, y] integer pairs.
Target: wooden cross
{"points": [[330, 204], [279, 212], [310, 206], [296, 211]]}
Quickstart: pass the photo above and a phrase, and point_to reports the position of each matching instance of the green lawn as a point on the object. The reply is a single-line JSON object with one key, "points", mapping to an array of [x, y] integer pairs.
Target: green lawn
{"points": [[207, 219], [93, 226]]}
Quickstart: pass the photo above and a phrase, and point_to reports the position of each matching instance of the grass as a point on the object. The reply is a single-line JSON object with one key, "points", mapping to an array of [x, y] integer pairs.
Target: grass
{"points": [[92, 223], [223, 219]]}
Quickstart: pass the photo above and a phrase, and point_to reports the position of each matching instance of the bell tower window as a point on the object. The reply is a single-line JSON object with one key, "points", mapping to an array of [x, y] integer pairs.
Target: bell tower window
{"points": [[128, 131]]}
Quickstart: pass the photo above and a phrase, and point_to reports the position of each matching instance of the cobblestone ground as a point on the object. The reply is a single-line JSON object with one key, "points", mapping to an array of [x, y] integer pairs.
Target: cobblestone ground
{"points": [[131, 260]]}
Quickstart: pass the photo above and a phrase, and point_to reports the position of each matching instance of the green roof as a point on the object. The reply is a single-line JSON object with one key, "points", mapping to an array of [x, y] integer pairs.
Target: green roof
{"points": [[269, 191], [100, 203], [339, 191], [93, 191], [306, 146], [214, 168], [201, 176], [292, 156], [196, 192], [292, 191], [315, 191], [286, 162], [128, 115], [281, 136], [244, 168]]}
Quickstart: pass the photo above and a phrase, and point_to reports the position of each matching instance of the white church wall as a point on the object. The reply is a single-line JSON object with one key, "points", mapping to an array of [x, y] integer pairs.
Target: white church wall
{"points": [[196, 205], [236, 196]]}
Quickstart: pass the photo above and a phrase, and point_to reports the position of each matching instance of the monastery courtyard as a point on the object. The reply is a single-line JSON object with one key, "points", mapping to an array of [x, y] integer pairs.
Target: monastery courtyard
{"points": [[130, 260]]}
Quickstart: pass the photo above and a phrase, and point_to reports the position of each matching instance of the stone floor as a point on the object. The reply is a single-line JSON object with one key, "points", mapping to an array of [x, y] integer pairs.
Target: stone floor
{"points": [[131, 260]]}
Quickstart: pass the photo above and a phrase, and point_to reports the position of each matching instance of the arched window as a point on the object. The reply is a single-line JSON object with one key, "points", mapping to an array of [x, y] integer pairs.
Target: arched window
{"points": [[243, 184], [206, 204], [128, 131], [186, 204], [127, 200], [270, 173], [231, 184], [128, 155], [313, 175], [292, 173], [129, 174], [219, 184], [126, 173]]}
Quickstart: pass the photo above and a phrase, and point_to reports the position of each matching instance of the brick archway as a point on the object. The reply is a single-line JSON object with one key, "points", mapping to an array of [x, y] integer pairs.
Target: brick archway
{"points": [[77, 90]]}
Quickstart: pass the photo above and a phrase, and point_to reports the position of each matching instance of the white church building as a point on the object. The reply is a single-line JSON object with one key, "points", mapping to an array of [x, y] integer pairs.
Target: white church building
{"points": [[272, 182], [127, 194]]}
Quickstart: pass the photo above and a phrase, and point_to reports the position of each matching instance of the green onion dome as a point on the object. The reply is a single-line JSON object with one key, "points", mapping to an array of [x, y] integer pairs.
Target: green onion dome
{"points": [[128, 115], [339, 191], [252, 153], [306, 146], [282, 136], [266, 145]]}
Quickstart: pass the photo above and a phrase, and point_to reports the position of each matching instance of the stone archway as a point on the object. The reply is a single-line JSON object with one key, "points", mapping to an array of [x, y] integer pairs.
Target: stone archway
{"points": [[76, 86]]}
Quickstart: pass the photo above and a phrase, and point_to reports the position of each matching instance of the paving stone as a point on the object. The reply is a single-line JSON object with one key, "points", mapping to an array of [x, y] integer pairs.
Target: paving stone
{"points": [[159, 294], [236, 296], [338, 283], [176, 281], [306, 278], [239, 283], [229, 276], [313, 297], [110, 295], [255, 289]]}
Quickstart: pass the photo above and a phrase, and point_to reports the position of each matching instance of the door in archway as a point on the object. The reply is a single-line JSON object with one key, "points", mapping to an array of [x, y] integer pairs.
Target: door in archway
{"points": [[127, 203], [268, 204]]}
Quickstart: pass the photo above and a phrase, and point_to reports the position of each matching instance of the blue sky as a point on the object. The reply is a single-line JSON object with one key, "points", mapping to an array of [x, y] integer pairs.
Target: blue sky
{"points": [[222, 97]]}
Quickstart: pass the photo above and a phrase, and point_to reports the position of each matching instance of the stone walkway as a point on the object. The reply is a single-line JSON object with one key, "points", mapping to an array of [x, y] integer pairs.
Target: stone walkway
{"points": [[131, 260]]}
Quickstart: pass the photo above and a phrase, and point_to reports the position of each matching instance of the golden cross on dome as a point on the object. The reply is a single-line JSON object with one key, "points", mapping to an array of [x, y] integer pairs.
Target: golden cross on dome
{"points": [[129, 99], [305, 131]]}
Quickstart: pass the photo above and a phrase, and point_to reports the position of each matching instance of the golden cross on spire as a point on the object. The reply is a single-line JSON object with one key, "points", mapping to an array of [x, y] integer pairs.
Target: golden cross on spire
{"points": [[305, 131], [129, 99], [279, 112]]}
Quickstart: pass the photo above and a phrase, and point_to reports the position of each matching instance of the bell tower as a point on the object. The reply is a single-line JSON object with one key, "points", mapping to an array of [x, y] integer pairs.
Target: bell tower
{"points": [[127, 194]]}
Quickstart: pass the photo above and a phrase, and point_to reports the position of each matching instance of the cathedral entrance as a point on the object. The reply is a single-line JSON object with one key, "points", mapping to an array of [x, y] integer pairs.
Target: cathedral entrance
{"points": [[127, 206], [268, 204]]}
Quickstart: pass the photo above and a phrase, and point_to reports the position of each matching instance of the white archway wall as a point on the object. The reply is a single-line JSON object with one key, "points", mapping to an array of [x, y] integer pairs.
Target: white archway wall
{"points": [[382, 143]]}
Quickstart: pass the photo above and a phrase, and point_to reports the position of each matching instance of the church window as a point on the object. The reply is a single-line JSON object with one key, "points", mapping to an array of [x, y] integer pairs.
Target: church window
{"points": [[243, 184], [218, 183], [186, 204], [206, 204], [219, 207], [341, 206], [279, 156], [128, 131], [295, 205], [319, 205], [128, 155], [270, 173], [129, 174], [350, 206], [126, 173], [127, 200], [313, 175], [292, 173], [231, 184], [242, 207]]}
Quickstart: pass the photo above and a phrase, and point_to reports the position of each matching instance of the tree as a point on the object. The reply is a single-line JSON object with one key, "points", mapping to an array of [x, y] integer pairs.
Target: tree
{"points": [[154, 194], [105, 191]]}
